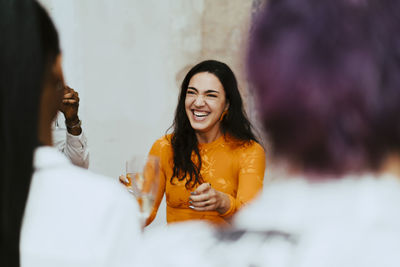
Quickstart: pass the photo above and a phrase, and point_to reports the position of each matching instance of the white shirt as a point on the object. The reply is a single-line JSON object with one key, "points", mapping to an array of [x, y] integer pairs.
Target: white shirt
{"points": [[351, 221], [73, 146], [74, 217]]}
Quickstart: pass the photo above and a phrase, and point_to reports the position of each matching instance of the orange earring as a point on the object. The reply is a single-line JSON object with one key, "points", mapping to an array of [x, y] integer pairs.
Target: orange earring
{"points": [[223, 115]]}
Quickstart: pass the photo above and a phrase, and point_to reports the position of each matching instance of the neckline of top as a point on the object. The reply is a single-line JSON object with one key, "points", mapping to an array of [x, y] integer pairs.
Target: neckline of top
{"points": [[214, 143]]}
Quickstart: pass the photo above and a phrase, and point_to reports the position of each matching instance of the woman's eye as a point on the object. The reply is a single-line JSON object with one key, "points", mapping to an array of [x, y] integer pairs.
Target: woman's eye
{"points": [[190, 92], [212, 95]]}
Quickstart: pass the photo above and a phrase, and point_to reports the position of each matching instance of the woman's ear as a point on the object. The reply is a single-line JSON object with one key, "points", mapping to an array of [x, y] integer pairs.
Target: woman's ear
{"points": [[225, 111], [226, 106]]}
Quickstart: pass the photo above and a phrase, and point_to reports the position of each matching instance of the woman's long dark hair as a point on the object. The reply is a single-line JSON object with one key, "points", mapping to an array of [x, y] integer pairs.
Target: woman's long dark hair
{"points": [[28, 46], [184, 141]]}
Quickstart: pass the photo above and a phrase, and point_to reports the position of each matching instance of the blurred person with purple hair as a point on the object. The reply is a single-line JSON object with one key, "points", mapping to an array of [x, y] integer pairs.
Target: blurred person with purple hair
{"points": [[327, 77]]}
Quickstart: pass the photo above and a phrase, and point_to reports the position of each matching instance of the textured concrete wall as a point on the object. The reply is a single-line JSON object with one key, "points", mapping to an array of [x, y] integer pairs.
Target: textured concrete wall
{"points": [[225, 33], [225, 25]]}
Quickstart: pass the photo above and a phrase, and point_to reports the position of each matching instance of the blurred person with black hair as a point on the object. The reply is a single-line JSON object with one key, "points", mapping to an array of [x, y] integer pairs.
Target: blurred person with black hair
{"points": [[52, 212]]}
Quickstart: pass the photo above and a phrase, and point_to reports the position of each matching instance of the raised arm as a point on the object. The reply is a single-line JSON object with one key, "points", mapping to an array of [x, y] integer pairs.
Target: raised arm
{"points": [[72, 141]]}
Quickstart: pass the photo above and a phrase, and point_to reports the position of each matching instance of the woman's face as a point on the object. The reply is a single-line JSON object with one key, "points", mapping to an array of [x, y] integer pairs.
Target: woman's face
{"points": [[205, 102]]}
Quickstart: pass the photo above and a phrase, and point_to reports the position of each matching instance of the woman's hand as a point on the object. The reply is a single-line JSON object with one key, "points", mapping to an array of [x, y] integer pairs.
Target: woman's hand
{"points": [[123, 180], [206, 198]]}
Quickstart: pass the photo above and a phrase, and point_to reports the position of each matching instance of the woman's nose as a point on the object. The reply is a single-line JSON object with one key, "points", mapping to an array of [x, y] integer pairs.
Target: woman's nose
{"points": [[199, 101]]}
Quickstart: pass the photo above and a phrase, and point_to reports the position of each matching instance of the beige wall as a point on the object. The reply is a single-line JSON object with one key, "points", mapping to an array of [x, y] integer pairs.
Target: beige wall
{"points": [[225, 32], [225, 25]]}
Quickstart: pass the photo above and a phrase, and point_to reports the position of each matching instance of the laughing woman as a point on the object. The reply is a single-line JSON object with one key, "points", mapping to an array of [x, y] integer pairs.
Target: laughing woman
{"points": [[212, 163]]}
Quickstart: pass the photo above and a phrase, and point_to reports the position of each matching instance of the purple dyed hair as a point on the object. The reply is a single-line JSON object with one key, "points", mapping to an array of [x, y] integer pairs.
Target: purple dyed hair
{"points": [[327, 74]]}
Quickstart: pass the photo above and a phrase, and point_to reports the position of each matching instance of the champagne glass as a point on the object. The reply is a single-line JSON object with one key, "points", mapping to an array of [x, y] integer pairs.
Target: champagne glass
{"points": [[143, 177]]}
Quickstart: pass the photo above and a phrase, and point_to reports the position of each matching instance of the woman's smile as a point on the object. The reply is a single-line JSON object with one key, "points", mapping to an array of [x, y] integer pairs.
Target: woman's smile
{"points": [[200, 115]]}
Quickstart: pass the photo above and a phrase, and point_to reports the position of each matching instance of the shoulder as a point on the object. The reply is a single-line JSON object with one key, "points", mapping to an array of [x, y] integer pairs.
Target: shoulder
{"points": [[162, 145], [357, 195], [164, 141], [246, 148], [250, 156], [254, 146]]}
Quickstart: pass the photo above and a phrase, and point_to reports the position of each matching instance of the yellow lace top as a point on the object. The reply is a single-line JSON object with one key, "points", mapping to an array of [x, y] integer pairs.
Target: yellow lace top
{"points": [[230, 166]]}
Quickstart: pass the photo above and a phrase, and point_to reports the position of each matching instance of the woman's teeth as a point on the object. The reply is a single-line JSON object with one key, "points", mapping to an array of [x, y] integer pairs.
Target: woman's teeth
{"points": [[200, 114]]}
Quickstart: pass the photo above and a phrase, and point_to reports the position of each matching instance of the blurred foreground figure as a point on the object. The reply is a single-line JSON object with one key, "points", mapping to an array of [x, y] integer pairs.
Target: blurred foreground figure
{"points": [[52, 212], [327, 75]]}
